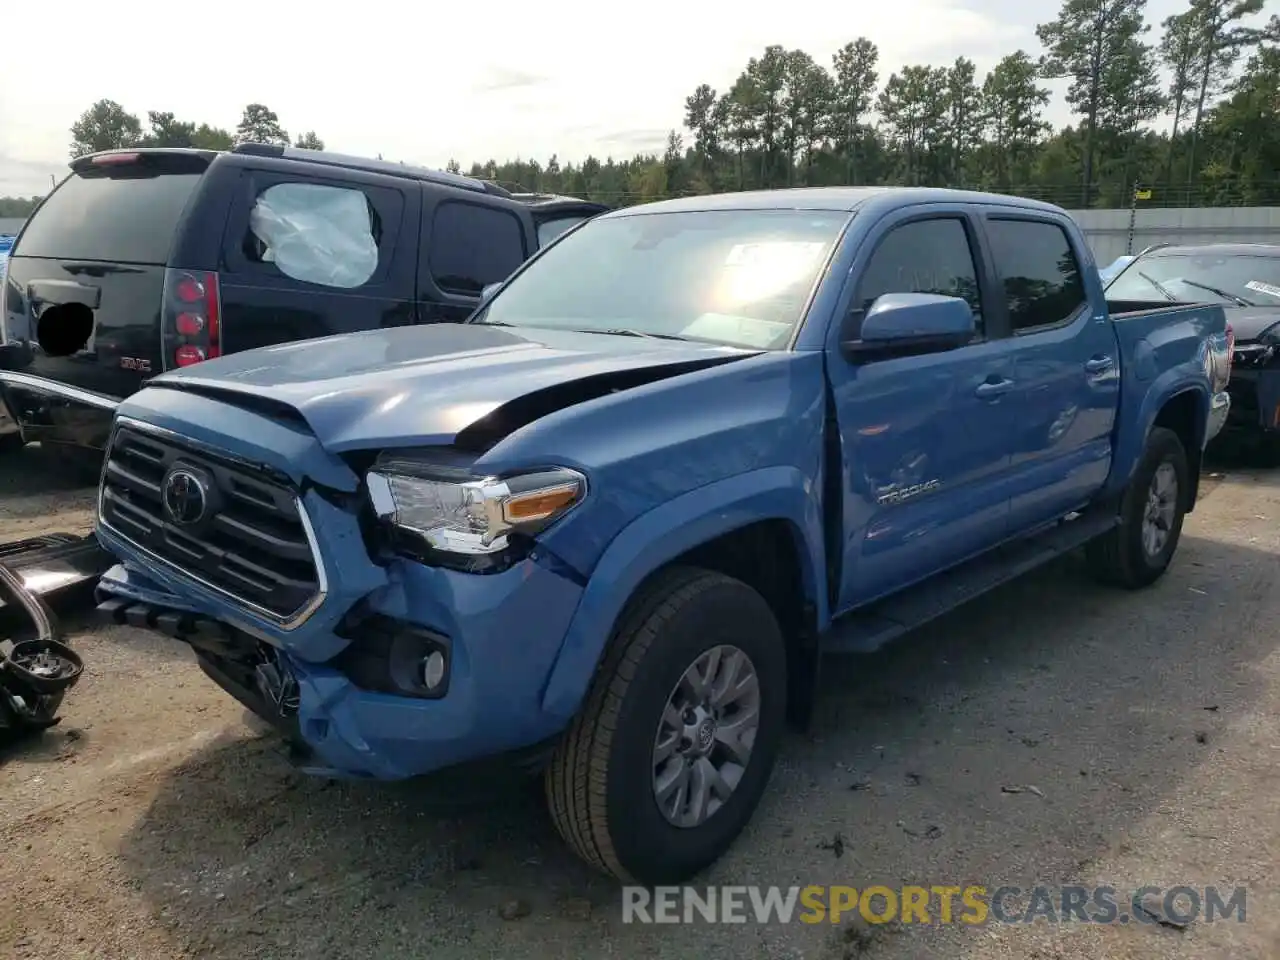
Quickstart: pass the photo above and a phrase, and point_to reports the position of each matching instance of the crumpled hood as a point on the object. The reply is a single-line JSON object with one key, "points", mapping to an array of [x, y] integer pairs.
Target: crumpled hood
{"points": [[424, 384], [1247, 323]]}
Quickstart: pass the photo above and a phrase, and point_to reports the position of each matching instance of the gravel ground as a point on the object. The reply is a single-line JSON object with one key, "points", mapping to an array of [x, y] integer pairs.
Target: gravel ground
{"points": [[159, 822]]}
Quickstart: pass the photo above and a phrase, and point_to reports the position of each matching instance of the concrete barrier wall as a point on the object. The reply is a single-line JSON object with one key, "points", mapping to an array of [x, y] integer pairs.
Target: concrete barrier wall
{"points": [[1108, 230]]}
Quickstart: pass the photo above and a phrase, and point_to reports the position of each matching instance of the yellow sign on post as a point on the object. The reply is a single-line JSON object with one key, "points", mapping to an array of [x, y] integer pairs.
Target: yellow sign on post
{"points": [[1142, 194]]}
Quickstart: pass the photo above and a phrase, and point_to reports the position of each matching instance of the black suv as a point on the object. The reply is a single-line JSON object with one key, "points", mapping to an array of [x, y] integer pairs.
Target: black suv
{"points": [[148, 259]]}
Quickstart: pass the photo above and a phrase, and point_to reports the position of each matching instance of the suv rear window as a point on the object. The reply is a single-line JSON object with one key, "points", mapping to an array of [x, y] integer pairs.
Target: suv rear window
{"points": [[119, 217]]}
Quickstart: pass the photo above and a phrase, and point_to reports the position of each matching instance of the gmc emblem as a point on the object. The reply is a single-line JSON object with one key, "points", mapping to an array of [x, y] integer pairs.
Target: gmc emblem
{"points": [[135, 363]]}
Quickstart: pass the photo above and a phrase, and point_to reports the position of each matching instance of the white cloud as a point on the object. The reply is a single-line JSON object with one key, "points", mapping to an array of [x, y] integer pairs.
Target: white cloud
{"points": [[428, 82]]}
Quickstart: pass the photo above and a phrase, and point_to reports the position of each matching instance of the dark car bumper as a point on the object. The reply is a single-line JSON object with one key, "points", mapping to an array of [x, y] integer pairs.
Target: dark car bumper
{"points": [[1255, 401]]}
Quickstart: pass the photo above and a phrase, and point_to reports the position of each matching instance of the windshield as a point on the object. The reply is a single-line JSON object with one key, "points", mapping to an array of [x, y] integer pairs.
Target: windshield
{"points": [[1233, 278], [737, 277]]}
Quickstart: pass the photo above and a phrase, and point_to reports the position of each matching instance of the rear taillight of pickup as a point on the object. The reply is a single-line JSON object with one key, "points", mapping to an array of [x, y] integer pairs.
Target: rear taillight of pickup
{"points": [[191, 329]]}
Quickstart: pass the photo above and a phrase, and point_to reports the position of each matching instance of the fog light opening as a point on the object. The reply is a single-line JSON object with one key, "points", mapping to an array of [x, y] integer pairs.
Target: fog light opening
{"points": [[433, 670]]}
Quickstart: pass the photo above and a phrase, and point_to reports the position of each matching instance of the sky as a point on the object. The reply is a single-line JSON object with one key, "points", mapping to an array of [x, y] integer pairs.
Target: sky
{"points": [[424, 83]]}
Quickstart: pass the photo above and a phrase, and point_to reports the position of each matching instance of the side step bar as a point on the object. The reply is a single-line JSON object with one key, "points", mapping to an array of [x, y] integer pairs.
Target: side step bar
{"points": [[868, 629], [56, 562]]}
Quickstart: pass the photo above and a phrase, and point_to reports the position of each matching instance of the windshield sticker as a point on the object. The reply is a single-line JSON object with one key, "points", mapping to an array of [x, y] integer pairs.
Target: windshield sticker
{"points": [[740, 331], [1270, 289], [797, 254]]}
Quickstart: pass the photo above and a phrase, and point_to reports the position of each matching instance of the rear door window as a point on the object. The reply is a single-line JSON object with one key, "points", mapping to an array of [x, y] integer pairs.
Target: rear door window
{"points": [[315, 233], [1039, 271], [473, 246], [332, 235], [128, 214]]}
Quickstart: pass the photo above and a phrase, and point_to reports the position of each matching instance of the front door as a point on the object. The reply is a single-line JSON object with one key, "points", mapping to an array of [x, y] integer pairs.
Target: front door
{"points": [[924, 439]]}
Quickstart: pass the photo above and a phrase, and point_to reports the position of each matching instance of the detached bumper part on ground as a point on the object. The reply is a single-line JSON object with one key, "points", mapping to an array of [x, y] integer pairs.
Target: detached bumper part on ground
{"points": [[38, 670]]}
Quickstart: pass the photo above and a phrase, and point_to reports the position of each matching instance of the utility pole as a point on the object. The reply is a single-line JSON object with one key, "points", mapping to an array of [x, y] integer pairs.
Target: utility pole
{"points": [[1138, 194]]}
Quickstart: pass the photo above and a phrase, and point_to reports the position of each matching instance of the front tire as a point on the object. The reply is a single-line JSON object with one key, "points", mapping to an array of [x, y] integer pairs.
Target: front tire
{"points": [[673, 747], [1138, 551]]}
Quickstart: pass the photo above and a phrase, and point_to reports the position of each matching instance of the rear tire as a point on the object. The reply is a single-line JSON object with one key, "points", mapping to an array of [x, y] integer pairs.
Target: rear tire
{"points": [[622, 750], [1138, 551], [11, 442]]}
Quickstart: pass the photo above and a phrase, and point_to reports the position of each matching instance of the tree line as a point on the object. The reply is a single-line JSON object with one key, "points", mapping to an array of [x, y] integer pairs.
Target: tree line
{"points": [[108, 126], [788, 120]]}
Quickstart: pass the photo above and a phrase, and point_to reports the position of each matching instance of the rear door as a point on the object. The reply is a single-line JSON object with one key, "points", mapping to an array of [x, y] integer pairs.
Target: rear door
{"points": [[308, 254], [87, 272], [466, 245], [1066, 368]]}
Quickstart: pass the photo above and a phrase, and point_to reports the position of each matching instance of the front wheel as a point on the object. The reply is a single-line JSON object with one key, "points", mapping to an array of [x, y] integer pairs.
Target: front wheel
{"points": [[672, 750], [1138, 551]]}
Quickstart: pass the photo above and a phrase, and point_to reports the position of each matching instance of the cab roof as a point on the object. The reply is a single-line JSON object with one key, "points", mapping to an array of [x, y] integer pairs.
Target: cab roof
{"points": [[828, 198]]}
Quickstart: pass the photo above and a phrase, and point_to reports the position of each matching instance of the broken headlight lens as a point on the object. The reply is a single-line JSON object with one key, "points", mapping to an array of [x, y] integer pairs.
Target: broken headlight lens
{"points": [[455, 512]]}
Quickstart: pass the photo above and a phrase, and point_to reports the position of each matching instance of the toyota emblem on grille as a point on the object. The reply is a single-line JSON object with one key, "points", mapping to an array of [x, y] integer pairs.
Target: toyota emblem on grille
{"points": [[186, 499]]}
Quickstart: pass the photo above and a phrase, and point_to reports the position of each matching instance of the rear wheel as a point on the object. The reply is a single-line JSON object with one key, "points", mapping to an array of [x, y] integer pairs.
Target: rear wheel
{"points": [[673, 747], [1138, 551]]}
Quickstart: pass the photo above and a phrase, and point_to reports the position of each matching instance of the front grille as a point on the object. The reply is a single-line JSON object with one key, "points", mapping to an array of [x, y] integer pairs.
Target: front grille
{"points": [[249, 541]]}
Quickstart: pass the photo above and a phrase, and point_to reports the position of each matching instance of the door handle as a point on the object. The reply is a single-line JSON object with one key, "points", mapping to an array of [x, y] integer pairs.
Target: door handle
{"points": [[1099, 364], [992, 389]]}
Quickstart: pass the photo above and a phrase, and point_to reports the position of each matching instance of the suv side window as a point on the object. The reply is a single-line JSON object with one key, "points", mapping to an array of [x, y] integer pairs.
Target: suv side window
{"points": [[473, 246], [923, 256], [1039, 271], [315, 233]]}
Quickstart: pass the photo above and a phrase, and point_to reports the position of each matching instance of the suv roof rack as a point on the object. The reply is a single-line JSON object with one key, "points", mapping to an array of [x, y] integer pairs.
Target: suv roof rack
{"points": [[388, 167]]}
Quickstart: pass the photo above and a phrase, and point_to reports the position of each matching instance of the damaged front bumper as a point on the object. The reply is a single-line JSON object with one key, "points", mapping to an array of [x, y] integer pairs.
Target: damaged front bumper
{"points": [[500, 635]]}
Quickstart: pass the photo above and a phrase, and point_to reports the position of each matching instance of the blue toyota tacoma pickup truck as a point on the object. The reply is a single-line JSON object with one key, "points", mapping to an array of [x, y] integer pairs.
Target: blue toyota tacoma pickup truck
{"points": [[608, 526]]}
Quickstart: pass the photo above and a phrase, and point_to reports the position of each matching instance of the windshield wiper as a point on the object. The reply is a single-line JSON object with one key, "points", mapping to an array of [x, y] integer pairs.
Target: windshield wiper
{"points": [[628, 332], [1168, 294], [1238, 301]]}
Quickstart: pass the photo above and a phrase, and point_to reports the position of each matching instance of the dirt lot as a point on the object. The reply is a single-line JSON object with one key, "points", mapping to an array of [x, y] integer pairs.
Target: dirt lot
{"points": [[156, 822]]}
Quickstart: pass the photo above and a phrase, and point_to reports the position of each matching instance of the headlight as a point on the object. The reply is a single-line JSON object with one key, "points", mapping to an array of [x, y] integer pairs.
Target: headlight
{"points": [[455, 512]]}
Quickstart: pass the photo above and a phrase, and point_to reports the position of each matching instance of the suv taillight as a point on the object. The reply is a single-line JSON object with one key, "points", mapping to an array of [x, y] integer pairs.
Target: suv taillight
{"points": [[190, 318]]}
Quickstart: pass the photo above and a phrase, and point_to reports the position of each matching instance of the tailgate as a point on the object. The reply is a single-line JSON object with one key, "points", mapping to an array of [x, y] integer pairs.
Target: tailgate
{"points": [[86, 275]]}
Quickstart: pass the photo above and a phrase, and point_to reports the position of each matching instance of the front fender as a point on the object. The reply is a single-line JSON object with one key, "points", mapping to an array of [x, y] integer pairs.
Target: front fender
{"points": [[1131, 438], [659, 536]]}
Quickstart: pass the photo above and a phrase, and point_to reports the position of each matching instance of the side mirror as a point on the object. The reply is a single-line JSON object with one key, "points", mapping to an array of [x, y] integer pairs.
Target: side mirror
{"points": [[901, 324], [488, 291]]}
